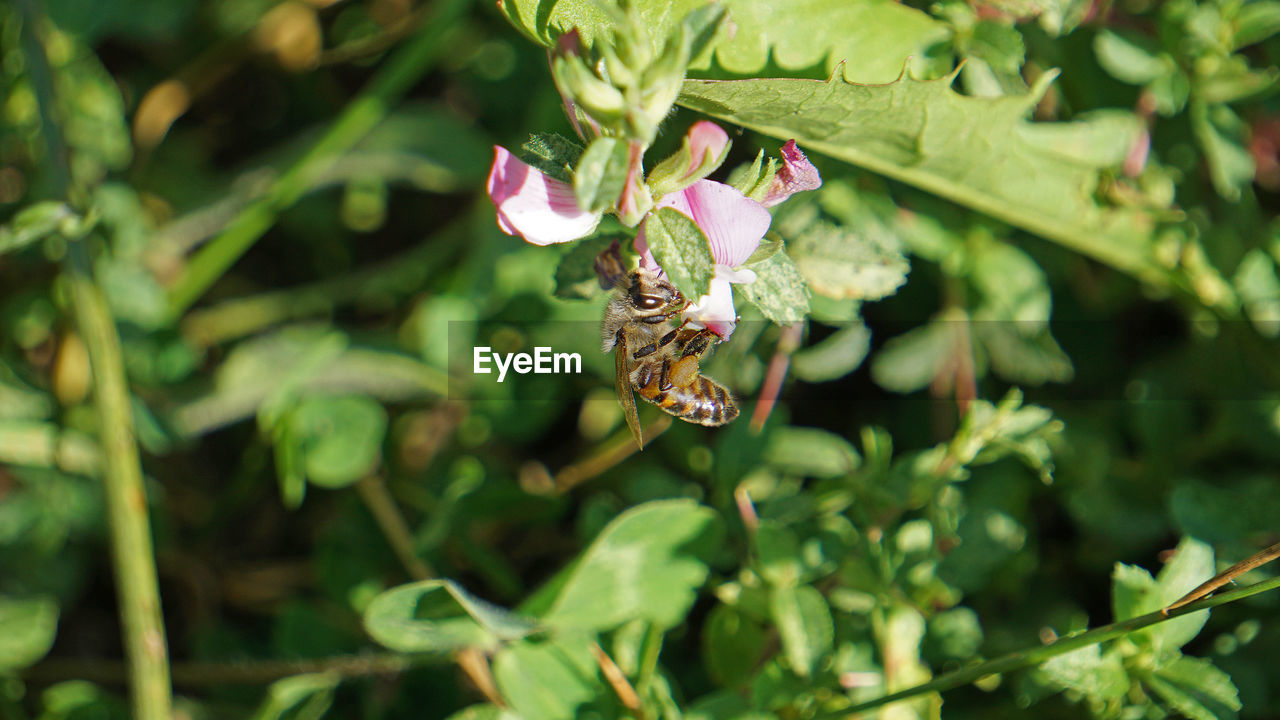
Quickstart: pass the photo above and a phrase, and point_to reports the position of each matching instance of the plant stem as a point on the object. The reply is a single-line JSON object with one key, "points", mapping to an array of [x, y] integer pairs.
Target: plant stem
{"points": [[133, 555], [357, 119], [373, 491], [252, 672], [1035, 656]]}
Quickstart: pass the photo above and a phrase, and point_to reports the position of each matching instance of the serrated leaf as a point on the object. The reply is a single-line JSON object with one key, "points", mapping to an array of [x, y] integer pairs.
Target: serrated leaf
{"points": [[27, 630], [600, 174], [857, 259], [873, 37], [631, 572], [439, 616], [804, 624], [1192, 564], [552, 154], [979, 152], [835, 356], [779, 290], [681, 249]]}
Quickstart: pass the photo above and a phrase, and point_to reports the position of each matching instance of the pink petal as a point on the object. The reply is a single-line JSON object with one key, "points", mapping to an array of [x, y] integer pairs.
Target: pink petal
{"points": [[796, 174], [538, 208], [714, 310], [705, 138], [732, 222]]}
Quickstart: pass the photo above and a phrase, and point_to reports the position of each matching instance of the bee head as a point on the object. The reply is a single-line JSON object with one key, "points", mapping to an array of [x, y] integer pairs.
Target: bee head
{"points": [[652, 296]]}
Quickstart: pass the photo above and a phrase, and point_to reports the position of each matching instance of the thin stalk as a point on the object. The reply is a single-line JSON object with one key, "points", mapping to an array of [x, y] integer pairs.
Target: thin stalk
{"points": [[1035, 656], [359, 117], [133, 555], [250, 672], [373, 491]]}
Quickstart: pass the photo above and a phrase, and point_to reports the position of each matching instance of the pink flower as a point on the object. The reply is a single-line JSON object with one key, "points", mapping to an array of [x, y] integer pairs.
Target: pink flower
{"points": [[796, 174], [734, 225], [530, 204]]}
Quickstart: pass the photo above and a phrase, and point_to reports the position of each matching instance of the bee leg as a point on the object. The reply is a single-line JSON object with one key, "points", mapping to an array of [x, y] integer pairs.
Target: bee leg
{"points": [[664, 379], [698, 344], [684, 372], [649, 349]]}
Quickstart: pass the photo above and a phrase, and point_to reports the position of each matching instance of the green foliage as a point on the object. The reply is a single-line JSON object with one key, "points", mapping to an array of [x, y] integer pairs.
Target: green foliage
{"points": [[27, 630], [682, 249]]}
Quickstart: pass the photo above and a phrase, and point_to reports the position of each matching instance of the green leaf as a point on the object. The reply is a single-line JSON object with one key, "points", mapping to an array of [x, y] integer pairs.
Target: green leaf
{"points": [[1192, 564], [979, 152], [340, 437], [860, 258], [779, 551], [576, 277], [1259, 288], [552, 154], [27, 630], [835, 356], [1256, 21], [1197, 689], [549, 679], [682, 249], [632, 572], [779, 290], [811, 452], [439, 616], [300, 697], [1130, 58], [874, 38], [601, 173], [732, 645], [1018, 356], [1099, 676], [990, 433], [804, 624], [912, 360], [33, 224], [1224, 139], [999, 44], [484, 711]]}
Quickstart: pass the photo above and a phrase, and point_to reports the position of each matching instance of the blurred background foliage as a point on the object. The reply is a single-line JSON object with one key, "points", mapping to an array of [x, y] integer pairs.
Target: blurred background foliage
{"points": [[993, 417]]}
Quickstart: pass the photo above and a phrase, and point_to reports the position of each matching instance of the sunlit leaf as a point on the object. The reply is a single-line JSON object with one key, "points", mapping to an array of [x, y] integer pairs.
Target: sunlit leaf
{"points": [[27, 630], [439, 616]]}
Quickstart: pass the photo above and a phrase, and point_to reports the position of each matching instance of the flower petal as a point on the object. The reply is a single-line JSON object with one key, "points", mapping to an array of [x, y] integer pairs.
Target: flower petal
{"points": [[538, 208], [796, 174], [714, 310], [732, 222], [705, 139]]}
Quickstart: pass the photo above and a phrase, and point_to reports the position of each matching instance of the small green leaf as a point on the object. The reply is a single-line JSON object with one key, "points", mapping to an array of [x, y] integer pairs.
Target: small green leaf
{"points": [[804, 626], [34, 223], [1129, 58], [600, 174], [779, 290], [912, 360], [1192, 564], [1224, 139], [576, 276], [340, 437], [552, 154], [631, 572], [732, 645], [1256, 21], [1099, 676], [548, 679], [1259, 288], [682, 249], [300, 697], [27, 630], [999, 44], [811, 452], [439, 616], [779, 551], [1203, 684], [835, 356]]}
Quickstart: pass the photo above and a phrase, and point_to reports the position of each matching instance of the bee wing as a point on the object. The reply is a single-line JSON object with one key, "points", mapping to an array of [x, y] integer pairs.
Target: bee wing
{"points": [[625, 394]]}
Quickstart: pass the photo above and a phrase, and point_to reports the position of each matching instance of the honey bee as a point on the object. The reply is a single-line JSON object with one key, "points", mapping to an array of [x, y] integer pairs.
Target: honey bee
{"points": [[653, 356]]}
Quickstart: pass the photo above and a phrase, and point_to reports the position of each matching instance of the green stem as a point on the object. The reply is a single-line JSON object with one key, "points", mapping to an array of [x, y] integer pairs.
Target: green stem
{"points": [[1035, 656], [250, 672], [373, 491], [133, 555], [357, 119]]}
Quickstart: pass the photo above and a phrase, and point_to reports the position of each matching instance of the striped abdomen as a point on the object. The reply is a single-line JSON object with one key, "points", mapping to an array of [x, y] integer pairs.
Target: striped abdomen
{"points": [[703, 401]]}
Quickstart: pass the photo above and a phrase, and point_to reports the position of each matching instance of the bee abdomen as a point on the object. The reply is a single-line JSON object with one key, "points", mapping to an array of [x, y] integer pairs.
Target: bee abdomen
{"points": [[703, 401]]}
